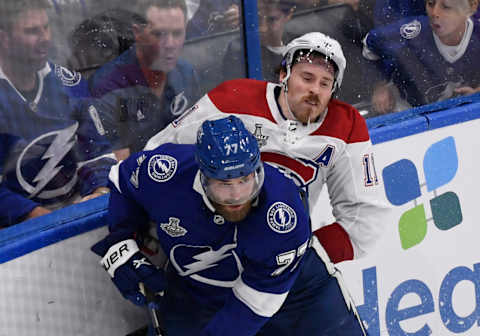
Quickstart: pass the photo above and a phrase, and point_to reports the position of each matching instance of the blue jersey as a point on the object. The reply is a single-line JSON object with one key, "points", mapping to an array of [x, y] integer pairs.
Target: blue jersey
{"points": [[411, 58], [50, 147], [389, 11], [242, 270], [130, 112]]}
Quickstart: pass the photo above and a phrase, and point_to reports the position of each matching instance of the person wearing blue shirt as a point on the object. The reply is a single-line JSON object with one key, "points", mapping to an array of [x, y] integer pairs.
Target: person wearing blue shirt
{"points": [[147, 86], [389, 11], [237, 235], [52, 148], [427, 58]]}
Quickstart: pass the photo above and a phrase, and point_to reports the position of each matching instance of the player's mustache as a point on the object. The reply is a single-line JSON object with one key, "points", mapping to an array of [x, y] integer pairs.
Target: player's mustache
{"points": [[312, 98]]}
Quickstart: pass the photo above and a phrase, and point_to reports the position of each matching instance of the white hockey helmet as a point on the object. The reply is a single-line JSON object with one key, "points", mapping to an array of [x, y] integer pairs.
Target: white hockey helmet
{"points": [[321, 43]]}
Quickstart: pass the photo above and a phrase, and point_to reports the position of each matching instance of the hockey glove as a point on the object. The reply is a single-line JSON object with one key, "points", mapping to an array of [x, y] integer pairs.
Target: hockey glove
{"points": [[128, 267]]}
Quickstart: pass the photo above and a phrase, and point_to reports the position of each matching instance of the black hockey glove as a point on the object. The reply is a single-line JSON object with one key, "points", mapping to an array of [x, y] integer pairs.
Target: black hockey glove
{"points": [[128, 267]]}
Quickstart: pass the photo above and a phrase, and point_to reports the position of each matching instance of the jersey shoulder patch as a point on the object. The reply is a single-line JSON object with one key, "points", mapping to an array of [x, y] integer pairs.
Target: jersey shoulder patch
{"points": [[161, 167], [66, 76], [410, 30], [281, 218]]}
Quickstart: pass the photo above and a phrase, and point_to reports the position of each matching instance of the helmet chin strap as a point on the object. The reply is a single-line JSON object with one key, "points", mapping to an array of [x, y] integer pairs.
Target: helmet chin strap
{"points": [[285, 93]]}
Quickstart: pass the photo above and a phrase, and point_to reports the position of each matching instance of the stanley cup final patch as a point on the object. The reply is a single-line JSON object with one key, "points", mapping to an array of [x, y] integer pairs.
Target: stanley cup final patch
{"points": [[281, 218], [173, 228], [161, 168]]}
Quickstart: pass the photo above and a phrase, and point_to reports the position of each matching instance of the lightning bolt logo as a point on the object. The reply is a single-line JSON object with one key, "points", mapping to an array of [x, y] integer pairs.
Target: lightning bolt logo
{"points": [[64, 141], [282, 216], [208, 259], [162, 166]]}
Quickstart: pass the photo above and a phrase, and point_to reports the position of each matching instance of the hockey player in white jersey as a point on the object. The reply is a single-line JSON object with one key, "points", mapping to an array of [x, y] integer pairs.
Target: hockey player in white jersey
{"points": [[313, 137], [238, 239]]}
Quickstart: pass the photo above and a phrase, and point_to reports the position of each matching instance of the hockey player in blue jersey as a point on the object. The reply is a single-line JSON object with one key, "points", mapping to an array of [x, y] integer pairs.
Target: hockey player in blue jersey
{"points": [[237, 236], [51, 144], [428, 58]]}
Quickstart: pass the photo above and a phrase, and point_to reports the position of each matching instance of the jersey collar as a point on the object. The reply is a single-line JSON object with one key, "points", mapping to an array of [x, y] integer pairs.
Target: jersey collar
{"points": [[42, 73], [453, 54]]}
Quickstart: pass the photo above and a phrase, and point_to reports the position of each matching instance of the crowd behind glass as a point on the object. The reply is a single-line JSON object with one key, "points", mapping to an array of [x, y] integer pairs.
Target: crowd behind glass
{"points": [[85, 83]]}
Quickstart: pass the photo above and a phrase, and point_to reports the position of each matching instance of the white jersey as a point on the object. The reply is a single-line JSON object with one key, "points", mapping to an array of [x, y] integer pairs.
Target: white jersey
{"points": [[336, 150]]}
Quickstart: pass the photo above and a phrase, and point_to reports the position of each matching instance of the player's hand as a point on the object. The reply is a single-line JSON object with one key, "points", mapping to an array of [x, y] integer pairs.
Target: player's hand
{"points": [[231, 17], [383, 99], [37, 212], [96, 193], [128, 267], [466, 90]]}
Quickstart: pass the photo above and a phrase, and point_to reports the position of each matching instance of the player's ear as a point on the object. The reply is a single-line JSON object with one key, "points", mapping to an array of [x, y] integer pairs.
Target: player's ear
{"points": [[138, 29]]}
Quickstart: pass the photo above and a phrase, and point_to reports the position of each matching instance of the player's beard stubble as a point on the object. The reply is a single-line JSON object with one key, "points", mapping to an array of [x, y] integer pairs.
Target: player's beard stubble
{"points": [[233, 213]]}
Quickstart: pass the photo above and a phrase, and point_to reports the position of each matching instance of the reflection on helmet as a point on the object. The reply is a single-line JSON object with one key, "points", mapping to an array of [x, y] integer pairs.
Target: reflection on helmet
{"points": [[229, 161], [320, 43]]}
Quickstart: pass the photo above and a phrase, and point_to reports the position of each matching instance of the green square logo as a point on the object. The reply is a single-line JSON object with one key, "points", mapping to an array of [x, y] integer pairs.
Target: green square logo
{"points": [[412, 227]]}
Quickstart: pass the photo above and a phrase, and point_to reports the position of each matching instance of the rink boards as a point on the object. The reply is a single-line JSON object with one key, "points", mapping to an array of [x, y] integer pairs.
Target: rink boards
{"points": [[423, 278]]}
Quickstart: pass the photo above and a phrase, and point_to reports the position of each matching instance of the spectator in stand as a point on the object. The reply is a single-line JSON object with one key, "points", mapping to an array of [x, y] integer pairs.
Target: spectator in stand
{"points": [[214, 16], [273, 15], [427, 58], [389, 11], [147, 86], [52, 150]]}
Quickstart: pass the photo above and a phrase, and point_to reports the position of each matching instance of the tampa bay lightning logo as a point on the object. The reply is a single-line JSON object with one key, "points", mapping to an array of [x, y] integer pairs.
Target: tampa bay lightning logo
{"points": [[179, 104], [68, 77], [281, 218], [410, 30], [220, 267], [62, 144], [161, 168]]}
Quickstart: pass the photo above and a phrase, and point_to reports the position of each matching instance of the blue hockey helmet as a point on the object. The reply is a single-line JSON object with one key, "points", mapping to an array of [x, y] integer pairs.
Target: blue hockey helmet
{"points": [[226, 150]]}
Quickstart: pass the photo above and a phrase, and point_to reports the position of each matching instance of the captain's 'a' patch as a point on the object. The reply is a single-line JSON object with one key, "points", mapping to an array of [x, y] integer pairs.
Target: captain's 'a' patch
{"points": [[281, 217]]}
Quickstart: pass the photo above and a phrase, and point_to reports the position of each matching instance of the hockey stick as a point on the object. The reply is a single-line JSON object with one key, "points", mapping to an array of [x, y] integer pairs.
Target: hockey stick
{"points": [[152, 310]]}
